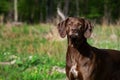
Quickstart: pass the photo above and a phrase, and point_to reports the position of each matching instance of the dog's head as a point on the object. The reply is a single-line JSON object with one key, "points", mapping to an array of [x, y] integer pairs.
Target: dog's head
{"points": [[75, 27]]}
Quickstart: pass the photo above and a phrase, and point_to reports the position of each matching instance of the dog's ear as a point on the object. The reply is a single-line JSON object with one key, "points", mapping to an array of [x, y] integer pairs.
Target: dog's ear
{"points": [[62, 27], [88, 29]]}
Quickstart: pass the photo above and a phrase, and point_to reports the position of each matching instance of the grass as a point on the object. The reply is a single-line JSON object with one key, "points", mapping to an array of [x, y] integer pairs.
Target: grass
{"points": [[34, 56], [106, 37]]}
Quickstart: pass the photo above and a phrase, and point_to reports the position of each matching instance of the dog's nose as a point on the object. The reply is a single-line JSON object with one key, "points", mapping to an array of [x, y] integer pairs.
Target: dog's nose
{"points": [[74, 30]]}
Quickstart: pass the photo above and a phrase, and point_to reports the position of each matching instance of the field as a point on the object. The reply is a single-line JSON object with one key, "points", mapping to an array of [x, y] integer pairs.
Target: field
{"points": [[26, 54]]}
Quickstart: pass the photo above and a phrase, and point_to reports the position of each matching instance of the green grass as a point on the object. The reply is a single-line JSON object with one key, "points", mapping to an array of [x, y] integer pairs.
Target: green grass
{"points": [[106, 37], [35, 56]]}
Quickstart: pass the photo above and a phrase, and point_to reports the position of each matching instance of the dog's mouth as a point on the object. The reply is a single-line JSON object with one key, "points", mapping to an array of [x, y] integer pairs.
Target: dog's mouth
{"points": [[74, 35]]}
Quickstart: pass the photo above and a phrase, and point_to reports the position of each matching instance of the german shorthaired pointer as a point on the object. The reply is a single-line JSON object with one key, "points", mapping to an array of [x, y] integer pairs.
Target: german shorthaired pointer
{"points": [[84, 62]]}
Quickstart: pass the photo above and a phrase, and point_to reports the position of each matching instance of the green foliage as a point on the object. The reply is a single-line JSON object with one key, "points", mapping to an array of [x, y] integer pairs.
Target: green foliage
{"points": [[31, 68], [34, 11], [4, 6]]}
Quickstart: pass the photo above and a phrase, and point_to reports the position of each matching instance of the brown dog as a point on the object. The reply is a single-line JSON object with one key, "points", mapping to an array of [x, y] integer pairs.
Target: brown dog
{"points": [[84, 62]]}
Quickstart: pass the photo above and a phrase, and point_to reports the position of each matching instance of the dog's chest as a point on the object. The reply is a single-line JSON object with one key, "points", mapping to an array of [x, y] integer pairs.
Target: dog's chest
{"points": [[78, 65]]}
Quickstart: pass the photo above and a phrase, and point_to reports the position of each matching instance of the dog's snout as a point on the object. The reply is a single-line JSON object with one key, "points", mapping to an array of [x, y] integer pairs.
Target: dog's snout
{"points": [[73, 33], [74, 30]]}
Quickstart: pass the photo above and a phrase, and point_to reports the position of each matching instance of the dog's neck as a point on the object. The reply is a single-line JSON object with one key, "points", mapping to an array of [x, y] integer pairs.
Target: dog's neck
{"points": [[81, 45], [77, 42]]}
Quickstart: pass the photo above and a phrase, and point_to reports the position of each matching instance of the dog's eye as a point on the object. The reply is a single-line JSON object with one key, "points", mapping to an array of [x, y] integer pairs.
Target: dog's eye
{"points": [[79, 26], [70, 23]]}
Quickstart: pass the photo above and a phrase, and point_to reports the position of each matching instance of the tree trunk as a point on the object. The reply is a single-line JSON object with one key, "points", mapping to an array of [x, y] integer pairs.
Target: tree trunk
{"points": [[15, 11], [66, 7], [107, 14], [77, 8]]}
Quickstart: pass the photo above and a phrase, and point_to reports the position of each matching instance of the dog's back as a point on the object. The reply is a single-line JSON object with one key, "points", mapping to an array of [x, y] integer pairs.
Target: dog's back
{"points": [[107, 64]]}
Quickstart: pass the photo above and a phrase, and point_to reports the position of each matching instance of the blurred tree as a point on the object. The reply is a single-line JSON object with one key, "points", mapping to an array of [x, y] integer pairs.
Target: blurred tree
{"points": [[34, 11], [6, 9], [15, 11], [107, 12], [66, 7], [77, 8]]}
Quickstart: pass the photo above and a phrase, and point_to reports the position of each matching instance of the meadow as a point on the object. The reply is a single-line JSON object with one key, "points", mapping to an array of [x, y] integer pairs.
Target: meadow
{"points": [[26, 54]]}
